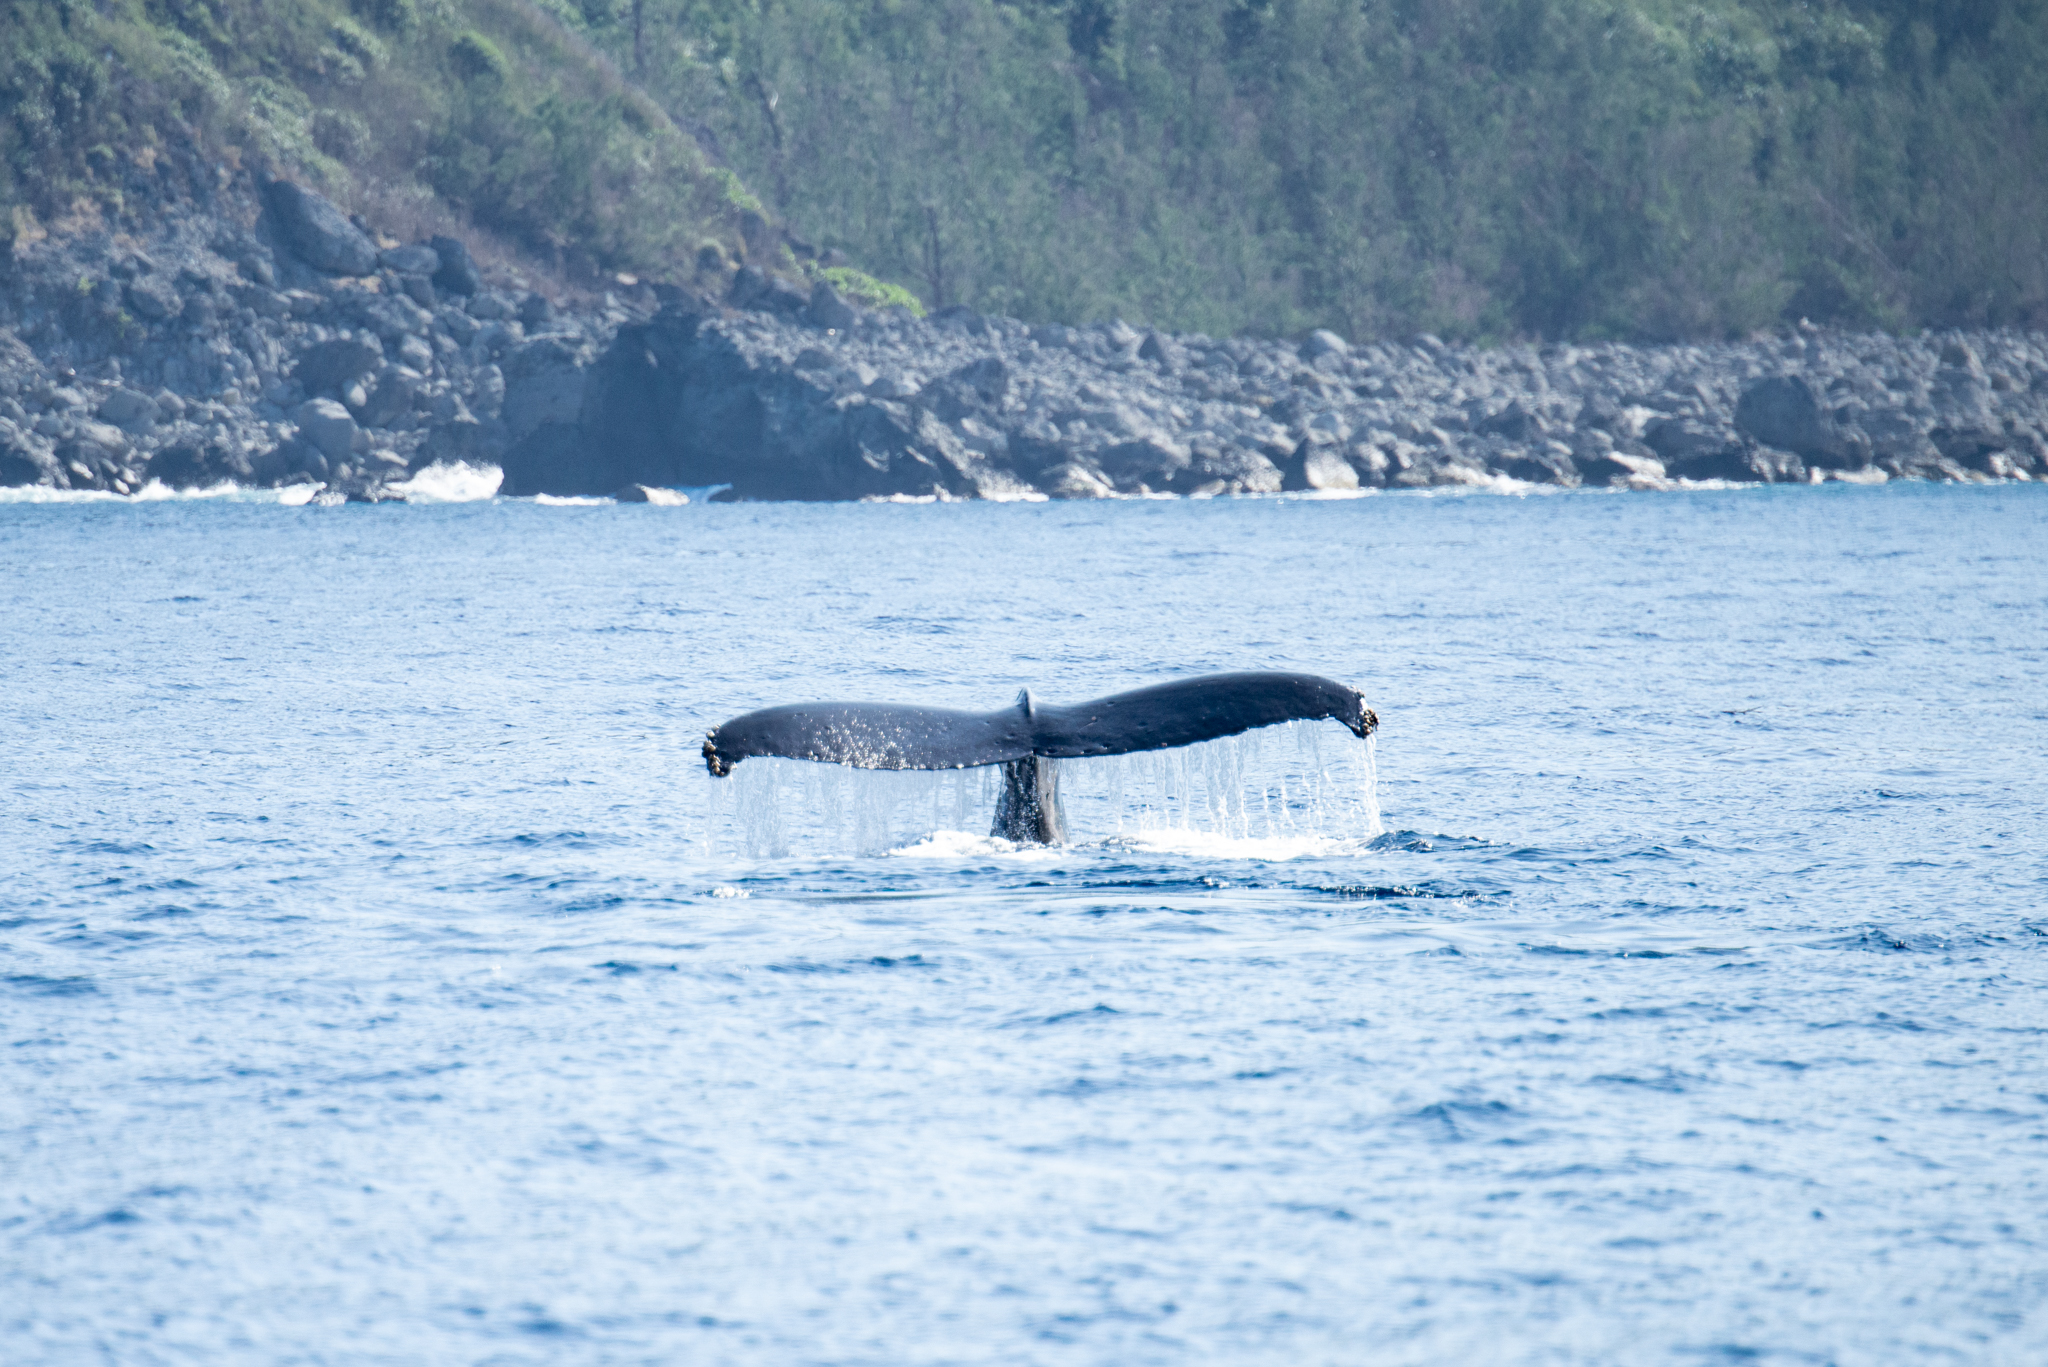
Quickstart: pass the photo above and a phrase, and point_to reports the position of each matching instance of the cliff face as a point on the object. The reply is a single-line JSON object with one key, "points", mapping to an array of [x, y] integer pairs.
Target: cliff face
{"points": [[253, 333]]}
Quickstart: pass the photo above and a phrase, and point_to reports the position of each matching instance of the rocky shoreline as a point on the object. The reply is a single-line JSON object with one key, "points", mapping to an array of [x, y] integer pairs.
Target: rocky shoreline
{"points": [[261, 337]]}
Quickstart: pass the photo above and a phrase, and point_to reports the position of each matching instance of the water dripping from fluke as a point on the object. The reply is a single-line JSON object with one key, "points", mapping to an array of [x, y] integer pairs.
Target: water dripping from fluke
{"points": [[1294, 791]]}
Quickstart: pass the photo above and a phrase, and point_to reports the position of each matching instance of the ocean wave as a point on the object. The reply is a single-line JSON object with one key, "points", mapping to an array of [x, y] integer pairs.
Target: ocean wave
{"points": [[457, 483]]}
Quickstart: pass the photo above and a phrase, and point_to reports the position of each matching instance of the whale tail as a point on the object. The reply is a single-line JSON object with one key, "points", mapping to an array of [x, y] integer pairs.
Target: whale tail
{"points": [[1027, 738], [1028, 809]]}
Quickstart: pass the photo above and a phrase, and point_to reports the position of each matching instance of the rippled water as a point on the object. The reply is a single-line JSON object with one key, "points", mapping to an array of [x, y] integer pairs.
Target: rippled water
{"points": [[382, 978]]}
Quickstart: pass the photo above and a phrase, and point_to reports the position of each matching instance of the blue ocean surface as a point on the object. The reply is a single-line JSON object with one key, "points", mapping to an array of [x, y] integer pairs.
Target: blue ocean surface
{"points": [[384, 980]]}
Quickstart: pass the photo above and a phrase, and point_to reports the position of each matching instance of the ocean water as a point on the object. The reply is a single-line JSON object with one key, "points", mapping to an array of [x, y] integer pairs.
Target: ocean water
{"points": [[383, 979]]}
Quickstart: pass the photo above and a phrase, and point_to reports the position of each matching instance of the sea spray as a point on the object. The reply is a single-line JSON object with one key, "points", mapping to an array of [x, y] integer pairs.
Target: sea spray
{"points": [[1300, 781]]}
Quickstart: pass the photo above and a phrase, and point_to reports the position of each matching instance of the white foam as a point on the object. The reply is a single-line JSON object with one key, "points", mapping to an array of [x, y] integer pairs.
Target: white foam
{"points": [[954, 846], [37, 493], [457, 483], [569, 501], [155, 491], [1270, 849], [666, 498]]}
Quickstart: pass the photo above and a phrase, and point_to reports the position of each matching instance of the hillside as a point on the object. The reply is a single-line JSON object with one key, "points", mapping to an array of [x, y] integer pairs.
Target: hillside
{"points": [[1476, 168], [425, 115], [1585, 169]]}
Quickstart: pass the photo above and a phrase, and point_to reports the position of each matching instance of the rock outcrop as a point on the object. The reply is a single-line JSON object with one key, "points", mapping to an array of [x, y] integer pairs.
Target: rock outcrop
{"points": [[268, 339], [776, 404]]}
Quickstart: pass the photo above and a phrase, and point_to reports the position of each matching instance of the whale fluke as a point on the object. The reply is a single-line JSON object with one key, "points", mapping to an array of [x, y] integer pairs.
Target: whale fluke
{"points": [[1026, 735]]}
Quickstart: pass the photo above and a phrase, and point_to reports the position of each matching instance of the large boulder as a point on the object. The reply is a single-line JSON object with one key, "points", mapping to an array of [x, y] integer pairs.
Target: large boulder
{"points": [[328, 426], [753, 288], [457, 272], [1547, 463], [678, 403], [22, 464], [152, 299], [1783, 411], [186, 466], [320, 233], [543, 384], [1075, 479], [130, 410], [1696, 450], [332, 366], [1739, 463], [1322, 342], [416, 259], [1238, 469], [828, 310], [1318, 465], [392, 399], [975, 389], [1514, 423], [1162, 351], [1678, 441], [1610, 466], [1151, 462]]}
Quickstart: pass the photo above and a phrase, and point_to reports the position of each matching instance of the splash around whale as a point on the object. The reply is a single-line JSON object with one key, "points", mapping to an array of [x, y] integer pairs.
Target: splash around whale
{"points": [[1029, 737]]}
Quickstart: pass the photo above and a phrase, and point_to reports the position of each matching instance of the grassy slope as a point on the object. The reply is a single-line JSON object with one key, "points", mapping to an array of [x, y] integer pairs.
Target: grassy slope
{"points": [[423, 111]]}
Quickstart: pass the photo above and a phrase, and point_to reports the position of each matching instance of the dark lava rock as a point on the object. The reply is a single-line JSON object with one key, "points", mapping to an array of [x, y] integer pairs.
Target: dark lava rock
{"points": [[679, 402], [21, 465], [753, 288], [126, 408], [1617, 467], [320, 233], [410, 260], [1740, 463], [457, 272], [788, 392], [1783, 411], [1542, 466], [1318, 465], [1149, 463], [329, 367], [828, 310], [152, 299], [1688, 442], [184, 467], [1161, 350], [1515, 423]]}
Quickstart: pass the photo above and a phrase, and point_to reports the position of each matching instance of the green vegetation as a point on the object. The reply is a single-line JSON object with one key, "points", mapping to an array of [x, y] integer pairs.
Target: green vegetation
{"points": [[1473, 167], [427, 110], [864, 289], [1479, 168]]}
